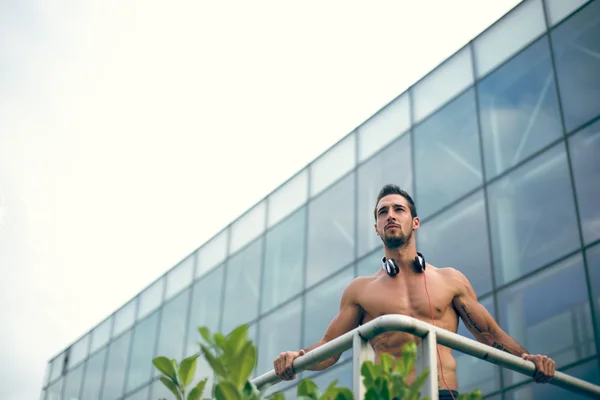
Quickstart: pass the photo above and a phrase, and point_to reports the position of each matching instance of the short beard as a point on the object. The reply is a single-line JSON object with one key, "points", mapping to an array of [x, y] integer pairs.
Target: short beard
{"points": [[396, 242]]}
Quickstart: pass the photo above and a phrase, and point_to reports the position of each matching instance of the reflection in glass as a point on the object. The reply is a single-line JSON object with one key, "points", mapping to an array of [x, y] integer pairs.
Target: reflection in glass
{"points": [[458, 238], [284, 261], [391, 165], [532, 216], [248, 227], [330, 231], [593, 262], [101, 334], [471, 372], [528, 316], [180, 276], [78, 351], [212, 253], [332, 165], [206, 298], [114, 377], [151, 298], [447, 160], [242, 286], [141, 394], [93, 375], [73, 383], [519, 110], [124, 318], [142, 352], [288, 198], [279, 331], [557, 10], [577, 59], [584, 147], [173, 326]]}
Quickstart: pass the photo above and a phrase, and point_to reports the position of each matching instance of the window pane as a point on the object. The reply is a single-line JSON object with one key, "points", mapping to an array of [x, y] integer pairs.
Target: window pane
{"points": [[471, 372], [124, 318], [383, 127], [284, 261], [54, 391], [392, 165], [557, 10], [78, 351], [248, 227], [584, 147], [331, 231], [73, 383], [93, 375], [180, 276], [57, 367], [101, 334], [114, 378], [241, 287], [142, 352], [173, 326], [279, 332], [288, 198], [528, 316], [371, 264], [151, 298], [527, 229], [206, 307], [332, 165], [593, 261], [141, 394], [468, 252], [322, 304], [446, 81], [519, 109], [577, 57], [513, 32], [212, 253], [447, 160]]}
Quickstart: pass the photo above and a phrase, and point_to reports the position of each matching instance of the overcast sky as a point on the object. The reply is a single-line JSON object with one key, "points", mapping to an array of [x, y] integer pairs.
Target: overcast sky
{"points": [[132, 131]]}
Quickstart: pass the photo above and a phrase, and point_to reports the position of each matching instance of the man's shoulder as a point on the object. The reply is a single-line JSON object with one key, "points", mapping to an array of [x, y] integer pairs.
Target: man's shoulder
{"points": [[359, 283]]}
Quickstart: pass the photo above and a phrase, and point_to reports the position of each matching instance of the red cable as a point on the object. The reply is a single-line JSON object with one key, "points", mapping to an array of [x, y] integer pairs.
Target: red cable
{"points": [[436, 349]]}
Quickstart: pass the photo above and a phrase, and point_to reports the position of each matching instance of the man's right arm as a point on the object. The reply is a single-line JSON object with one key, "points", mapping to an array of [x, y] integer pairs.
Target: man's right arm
{"points": [[347, 318]]}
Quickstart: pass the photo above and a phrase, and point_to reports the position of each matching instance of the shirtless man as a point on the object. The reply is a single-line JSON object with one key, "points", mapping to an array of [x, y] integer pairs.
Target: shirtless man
{"points": [[452, 296]]}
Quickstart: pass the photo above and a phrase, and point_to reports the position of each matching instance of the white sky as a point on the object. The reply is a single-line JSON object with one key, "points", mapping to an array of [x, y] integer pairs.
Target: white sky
{"points": [[131, 132]]}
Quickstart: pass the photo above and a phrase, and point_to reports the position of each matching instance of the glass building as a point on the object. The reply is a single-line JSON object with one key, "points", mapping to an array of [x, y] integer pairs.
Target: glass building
{"points": [[500, 147]]}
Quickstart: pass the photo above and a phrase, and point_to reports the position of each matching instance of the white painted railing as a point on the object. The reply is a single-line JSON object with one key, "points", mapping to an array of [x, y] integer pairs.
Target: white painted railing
{"points": [[426, 356]]}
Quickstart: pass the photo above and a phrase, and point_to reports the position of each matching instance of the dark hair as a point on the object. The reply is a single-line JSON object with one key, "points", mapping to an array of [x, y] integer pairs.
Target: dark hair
{"points": [[395, 189]]}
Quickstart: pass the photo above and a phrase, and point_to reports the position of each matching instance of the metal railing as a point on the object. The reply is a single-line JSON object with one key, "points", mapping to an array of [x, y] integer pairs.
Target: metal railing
{"points": [[426, 355]]}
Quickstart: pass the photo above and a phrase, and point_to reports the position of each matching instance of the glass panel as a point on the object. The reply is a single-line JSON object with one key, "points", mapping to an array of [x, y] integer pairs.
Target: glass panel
{"points": [[288, 198], [205, 308], [242, 286], [248, 227], [93, 375], [180, 276], [392, 165], [57, 366], [588, 372], [47, 374], [78, 351], [447, 80], [142, 352], [124, 318], [279, 332], [584, 147], [284, 261], [332, 165], [383, 127], [450, 138], [519, 109], [593, 262], [114, 379], [173, 326], [160, 391], [527, 229], [73, 383], [331, 231], [101, 334], [557, 10], [468, 251], [212, 253], [577, 59], [471, 372], [371, 264], [528, 316], [322, 304], [151, 298], [54, 391], [141, 394], [513, 32]]}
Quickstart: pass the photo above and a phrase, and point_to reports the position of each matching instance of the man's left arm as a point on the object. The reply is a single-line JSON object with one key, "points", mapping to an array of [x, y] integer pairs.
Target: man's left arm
{"points": [[486, 330]]}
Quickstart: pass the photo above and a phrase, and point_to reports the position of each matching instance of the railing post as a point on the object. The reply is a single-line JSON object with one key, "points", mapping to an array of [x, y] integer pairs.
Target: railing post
{"points": [[361, 352], [427, 358]]}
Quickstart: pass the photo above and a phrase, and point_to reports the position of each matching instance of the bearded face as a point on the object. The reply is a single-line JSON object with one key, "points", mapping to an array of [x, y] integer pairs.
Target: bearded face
{"points": [[395, 223]]}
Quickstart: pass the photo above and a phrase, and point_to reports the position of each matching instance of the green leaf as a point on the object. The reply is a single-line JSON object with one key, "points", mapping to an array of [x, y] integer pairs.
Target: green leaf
{"points": [[221, 342], [308, 388], [205, 333], [244, 365], [227, 391], [214, 363], [344, 393], [415, 388], [367, 370], [238, 338], [277, 396], [164, 365], [386, 363], [187, 370], [408, 360], [197, 391], [171, 386], [371, 394]]}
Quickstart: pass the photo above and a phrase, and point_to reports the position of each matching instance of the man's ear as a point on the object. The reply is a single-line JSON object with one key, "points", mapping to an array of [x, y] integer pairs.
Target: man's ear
{"points": [[376, 230], [416, 223]]}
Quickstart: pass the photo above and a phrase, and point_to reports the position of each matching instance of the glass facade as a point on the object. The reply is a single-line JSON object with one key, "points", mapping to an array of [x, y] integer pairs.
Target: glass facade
{"points": [[500, 148]]}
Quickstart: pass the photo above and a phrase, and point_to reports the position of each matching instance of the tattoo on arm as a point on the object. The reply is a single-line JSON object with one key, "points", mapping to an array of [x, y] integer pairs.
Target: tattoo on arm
{"points": [[469, 320], [498, 346]]}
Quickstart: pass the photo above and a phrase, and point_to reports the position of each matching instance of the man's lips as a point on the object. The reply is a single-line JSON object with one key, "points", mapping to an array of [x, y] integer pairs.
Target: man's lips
{"points": [[391, 226]]}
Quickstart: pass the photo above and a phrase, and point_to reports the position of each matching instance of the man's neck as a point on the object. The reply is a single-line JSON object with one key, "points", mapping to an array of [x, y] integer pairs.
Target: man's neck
{"points": [[404, 256]]}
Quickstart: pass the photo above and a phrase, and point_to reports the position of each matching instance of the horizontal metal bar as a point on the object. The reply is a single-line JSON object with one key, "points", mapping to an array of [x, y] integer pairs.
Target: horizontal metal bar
{"points": [[418, 328]]}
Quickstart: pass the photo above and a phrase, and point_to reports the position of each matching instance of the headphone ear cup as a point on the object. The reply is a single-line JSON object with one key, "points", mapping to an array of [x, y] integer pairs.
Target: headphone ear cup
{"points": [[390, 267]]}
